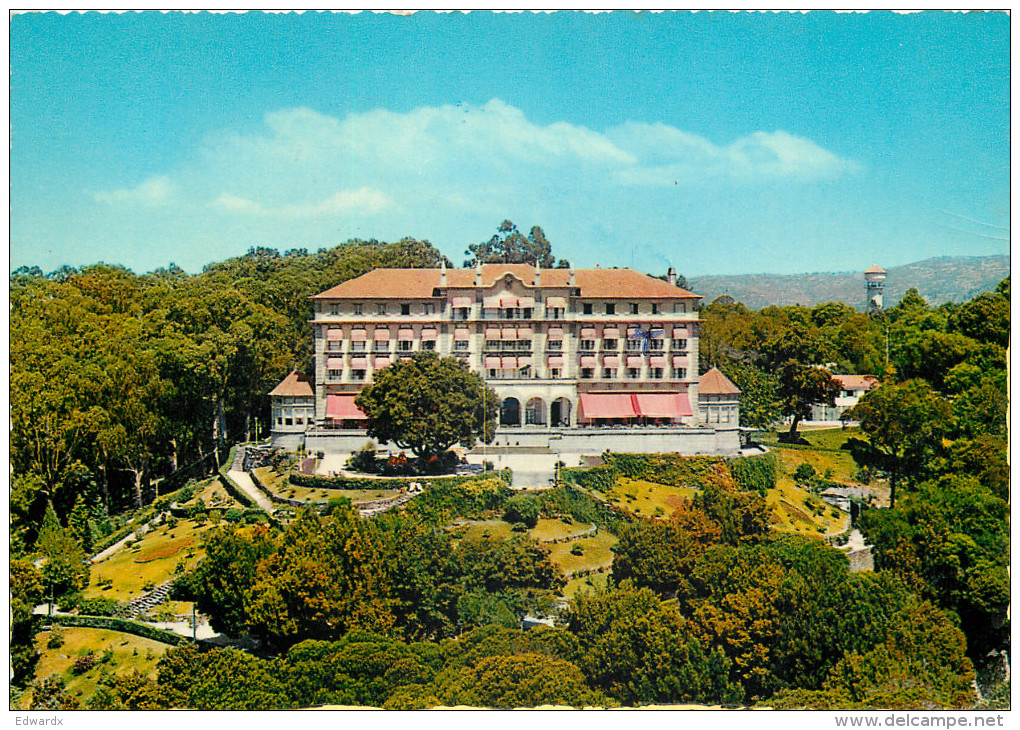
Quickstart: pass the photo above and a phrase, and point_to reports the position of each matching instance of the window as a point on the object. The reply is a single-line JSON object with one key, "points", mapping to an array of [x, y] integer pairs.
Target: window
{"points": [[554, 372], [554, 345], [655, 308], [555, 314], [587, 307], [679, 307], [299, 421], [288, 422], [656, 373], [461, 313], [588, 345], [428, 308], [679, 373], [381, 347], [357, 374], [633, 308], [610, 345], [587, 373], [405, 310], [526, 313], [679, 344], [334, 308], [404, 345], [334, 346], [492, 372], [357, 308], [608, 373], [523, 344], [357, 347], [279, 420], [460, 345], [610, 308], [633, 345], [655, 345], [633, 373], [428, 344], [380, 309], [334, 374], [493, 344]]}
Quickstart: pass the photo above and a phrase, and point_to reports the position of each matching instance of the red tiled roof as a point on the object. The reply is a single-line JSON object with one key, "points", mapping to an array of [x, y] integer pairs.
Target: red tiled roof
{"points": [[420, 283], [295, 384], [715, 383], [856, 382]]}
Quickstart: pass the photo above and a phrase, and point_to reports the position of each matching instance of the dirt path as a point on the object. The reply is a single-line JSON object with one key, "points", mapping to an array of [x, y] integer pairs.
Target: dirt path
{"points": [[242, 480]]}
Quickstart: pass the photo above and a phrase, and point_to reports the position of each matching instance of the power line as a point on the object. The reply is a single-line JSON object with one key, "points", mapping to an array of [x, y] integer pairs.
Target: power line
{"points": [[982, 235], [972, 220]]}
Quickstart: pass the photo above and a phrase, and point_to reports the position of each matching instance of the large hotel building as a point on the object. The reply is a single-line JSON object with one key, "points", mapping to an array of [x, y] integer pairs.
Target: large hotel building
{"points": [[582, 360]]}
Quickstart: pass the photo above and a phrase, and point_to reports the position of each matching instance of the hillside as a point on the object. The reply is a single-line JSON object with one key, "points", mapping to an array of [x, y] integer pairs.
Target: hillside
{"points": [[944, 279]]}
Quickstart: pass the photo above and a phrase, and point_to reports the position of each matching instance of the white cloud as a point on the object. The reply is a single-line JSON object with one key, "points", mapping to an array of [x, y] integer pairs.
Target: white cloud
{"points": [[153, 191], [362, 200]]}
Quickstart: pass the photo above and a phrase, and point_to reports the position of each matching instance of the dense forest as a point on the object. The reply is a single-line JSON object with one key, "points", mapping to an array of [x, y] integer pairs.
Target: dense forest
{"points": [[125, 385]]}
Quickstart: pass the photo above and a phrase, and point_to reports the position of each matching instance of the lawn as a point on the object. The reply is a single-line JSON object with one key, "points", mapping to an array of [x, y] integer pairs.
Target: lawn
{"points": [[648, 499], [149, 562], [129, 652], [476, 529], [278, 484], [214, 496], [597, 553], [557, 529], [797, 510], [587, 583]]}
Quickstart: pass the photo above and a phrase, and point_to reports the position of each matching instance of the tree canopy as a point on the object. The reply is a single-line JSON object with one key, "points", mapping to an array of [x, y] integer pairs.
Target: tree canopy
{"points": [[510, 246]]}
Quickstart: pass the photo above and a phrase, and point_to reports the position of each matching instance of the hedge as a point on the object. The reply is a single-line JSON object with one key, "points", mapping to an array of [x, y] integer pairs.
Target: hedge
{"points": [[118, 624], [369, 483], [596, 478], [755, 473], [581, 507], [235, 491], [673, 469]]}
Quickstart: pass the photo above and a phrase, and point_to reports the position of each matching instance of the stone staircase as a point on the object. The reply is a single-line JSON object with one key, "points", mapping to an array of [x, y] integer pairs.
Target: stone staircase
{"points": [[149, 600]]}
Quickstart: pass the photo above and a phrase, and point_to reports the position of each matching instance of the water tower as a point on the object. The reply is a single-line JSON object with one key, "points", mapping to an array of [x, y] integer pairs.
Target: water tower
{"points": [[874, 287]]}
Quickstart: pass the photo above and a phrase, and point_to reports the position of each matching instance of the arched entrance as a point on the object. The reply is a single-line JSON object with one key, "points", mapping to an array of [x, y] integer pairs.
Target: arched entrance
{"points": [[510, 412], [559, 412], [534, 412]]}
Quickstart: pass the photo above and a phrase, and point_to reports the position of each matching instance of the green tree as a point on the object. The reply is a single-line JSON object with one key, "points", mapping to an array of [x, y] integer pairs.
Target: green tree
{"points": [[510, 246], [522, 680], [64, 572], [427, 404], [523, 508], [760, 406], [903, 423]]}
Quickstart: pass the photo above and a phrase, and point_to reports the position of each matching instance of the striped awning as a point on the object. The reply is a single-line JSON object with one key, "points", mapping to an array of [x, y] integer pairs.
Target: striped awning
{"points": [[555, 361], [359, 335], [342, 408], [508, 363], [508, 333], [492, 333], [359, 363], [555, 303], [611, 333], [462, 335], [588, 333], [381, 362], [611, 361], [679, 360], [404, 335], [523, 362], [492, 362], [334, 363], [555, 332], [606, 405], [429, 334], [526, 302], [334, 333], [634, 361], [524, 333], [461, 302], [588, 361], [658, 361], [381, 335]]}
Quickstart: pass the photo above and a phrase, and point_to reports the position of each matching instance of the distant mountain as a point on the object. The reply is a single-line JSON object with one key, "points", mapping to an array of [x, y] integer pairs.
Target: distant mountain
{"points": [[938, 280]]}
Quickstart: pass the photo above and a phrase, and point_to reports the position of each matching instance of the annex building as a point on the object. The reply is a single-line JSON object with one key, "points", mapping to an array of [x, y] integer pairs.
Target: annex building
{"points": [[582, 360]]}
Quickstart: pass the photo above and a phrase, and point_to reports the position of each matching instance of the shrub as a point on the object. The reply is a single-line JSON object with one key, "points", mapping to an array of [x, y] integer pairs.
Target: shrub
{"points": [[576, 549], [364, 460], [83, 663], [55, 640], [99, 607], [523, 508], [755, 473], [804, 472], [864, 475]]}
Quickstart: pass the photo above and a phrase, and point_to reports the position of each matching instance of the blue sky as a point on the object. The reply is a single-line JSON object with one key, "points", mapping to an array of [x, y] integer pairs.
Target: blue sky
{"points": [[721, 143]]}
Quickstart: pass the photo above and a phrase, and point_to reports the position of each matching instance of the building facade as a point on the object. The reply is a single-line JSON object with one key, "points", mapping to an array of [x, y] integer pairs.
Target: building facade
{"points": [[851, 389], [569, 353]]}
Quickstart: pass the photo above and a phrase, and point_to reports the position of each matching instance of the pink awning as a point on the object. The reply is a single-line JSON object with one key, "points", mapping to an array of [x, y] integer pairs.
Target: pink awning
{"points": [[679, 360], [462, 335], [381, 362], [334, 333], [429, 334], [632, 332], [634, 361], [492, 333], [588, 361], [359, 363], [523, 362], [526, 302], [508, 333], [490, 303], [555, 332], [658, 361], [524, 333], [588, 333], [508, 300], [680, 332], [556, 361], [508, 363], [555, 303], [662, 405], [381, 335], [359, 335], [334, 363], [404, 335], [462, 302], [611, 333], [611, 361], [606, 405], [492, 362], [342, 408]]}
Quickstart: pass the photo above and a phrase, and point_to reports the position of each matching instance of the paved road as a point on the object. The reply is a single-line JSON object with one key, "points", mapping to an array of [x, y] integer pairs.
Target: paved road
{"points": [[248, 487]]}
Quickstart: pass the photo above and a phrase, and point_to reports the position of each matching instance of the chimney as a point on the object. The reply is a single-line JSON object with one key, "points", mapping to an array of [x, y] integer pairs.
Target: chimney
{"points": [[478, 273], [671, 276], [442, 273], [538, 275], [573, 283]]}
